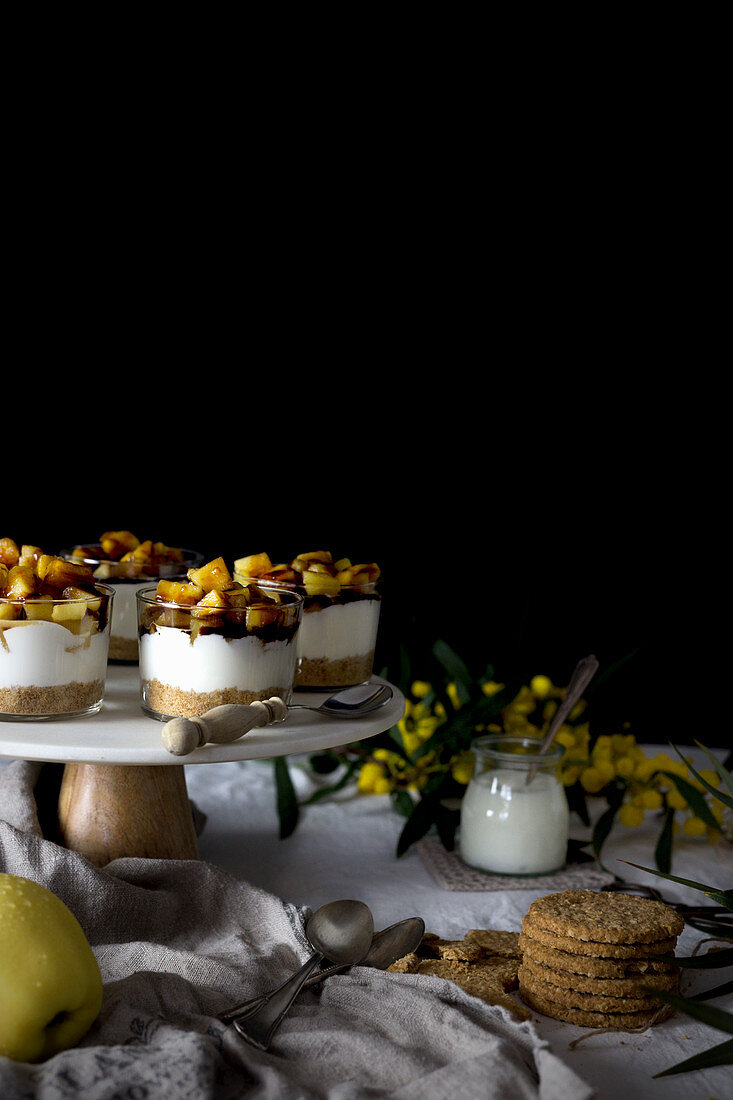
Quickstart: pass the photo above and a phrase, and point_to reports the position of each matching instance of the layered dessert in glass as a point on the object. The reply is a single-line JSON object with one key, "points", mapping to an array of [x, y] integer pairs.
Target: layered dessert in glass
{"points": [[338, 634], [54, 635], [211, 640], [128, 564]]}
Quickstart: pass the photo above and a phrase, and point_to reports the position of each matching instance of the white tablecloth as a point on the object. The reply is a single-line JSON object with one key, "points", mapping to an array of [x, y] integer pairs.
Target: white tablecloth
{"points": [[345, 848]]}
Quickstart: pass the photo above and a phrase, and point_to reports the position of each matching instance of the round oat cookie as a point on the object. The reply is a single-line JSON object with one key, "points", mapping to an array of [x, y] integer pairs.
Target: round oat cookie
{"points": [[568, 1015], [589, 1002], [590, 965], [605, 917], [602, 950], [634, 986]]}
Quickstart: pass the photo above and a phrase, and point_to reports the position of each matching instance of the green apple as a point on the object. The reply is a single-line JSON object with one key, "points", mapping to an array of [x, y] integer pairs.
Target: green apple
{"points": [[50, 984]]}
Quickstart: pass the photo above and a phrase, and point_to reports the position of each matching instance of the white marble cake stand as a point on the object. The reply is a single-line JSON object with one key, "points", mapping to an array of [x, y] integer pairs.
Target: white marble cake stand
{"points": [[123, 794]]}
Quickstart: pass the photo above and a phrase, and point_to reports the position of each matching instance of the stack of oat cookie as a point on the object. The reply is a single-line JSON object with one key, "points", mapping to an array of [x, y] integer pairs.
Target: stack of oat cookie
{"points": [[485, 963], [587, 956]]}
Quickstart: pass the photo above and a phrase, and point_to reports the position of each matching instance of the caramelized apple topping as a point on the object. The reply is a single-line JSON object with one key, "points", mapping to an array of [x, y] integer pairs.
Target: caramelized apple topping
{"points": [[38, 583], [315, 571], [213, 598], [124, 546]]}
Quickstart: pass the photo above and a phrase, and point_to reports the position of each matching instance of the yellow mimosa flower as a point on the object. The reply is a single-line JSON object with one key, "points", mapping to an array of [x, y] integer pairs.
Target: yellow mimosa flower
{"points": [[541, 686], [630, 815]]}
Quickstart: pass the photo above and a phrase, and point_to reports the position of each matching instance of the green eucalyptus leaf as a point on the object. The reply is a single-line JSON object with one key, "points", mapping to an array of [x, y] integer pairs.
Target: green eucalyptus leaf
{"points": [[716, 991], [577, 802], [720, 1055], [402, 803], [418, 823], [455, 668], [713, 960], [695, 800], [663, 850], [324, 792], [603, 826], [727, 800], [287, 802], [721, 769], [709, 891], [707, 1014]]}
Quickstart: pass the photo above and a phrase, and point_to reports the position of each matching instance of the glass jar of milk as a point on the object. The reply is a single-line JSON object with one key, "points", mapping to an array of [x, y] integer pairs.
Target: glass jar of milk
{"points": [[510, 826]]}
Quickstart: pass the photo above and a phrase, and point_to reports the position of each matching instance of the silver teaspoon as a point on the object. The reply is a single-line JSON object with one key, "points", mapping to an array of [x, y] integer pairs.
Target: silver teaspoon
{"points": [[230, 721], [341, 931], [387, 946]]}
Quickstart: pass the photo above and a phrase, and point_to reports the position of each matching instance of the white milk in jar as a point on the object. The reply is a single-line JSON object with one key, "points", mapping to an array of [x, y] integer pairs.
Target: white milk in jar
{"points": [[508, 826]]}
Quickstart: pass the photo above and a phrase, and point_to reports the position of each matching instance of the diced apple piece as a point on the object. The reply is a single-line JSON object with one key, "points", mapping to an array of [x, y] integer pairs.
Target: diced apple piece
{"points": [[73, 593], [29, 555], [20, 582], [117, 543], [60, 574], [312, 555], [320, 584], [3, 574], [366, 574], [179, 592], [42, 565], [284, 573], [345, 576], [214, 574], [41, 607], [239, 596], [260, 615], [9, 552], [8, 612], [341, 564], [320, 567], [69, 610], [213, 603], [253, 565]]}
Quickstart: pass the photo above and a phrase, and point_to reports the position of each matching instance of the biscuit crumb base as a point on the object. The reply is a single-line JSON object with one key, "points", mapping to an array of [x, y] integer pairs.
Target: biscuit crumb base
{"points": [[345, 672], [123, 649], [168, 700], [71, 698]]}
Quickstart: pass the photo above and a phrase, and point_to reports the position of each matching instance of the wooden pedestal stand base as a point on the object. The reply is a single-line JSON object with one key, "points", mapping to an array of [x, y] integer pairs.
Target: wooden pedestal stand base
{"points": [[107, 811]]}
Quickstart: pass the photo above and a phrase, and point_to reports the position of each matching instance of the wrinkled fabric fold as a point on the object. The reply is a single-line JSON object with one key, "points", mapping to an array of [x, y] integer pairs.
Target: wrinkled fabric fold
{"points": [[178, 942]]}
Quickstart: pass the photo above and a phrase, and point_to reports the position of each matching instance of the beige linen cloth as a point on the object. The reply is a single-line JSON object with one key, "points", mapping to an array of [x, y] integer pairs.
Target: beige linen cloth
{"points": [[180, 941]]}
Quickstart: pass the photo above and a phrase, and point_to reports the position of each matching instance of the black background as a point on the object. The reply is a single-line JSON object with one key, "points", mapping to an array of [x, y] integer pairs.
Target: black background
{"points": [[524, 542]]}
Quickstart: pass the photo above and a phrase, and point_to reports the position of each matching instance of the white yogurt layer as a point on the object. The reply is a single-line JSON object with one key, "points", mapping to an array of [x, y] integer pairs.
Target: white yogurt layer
{"points": [[44, 654], [511, 828], [338, 631], [213, 663]]}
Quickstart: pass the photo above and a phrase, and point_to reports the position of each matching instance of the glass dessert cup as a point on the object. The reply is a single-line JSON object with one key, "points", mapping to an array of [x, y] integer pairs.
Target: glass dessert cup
{"points": [[337, 635], [127, 578], [53, 655], [192, 659], [509, 827]]}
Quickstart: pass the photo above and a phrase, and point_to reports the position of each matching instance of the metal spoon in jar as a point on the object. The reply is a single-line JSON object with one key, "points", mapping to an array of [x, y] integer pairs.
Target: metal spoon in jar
{"points": [[583, 673], [341, 931]]}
